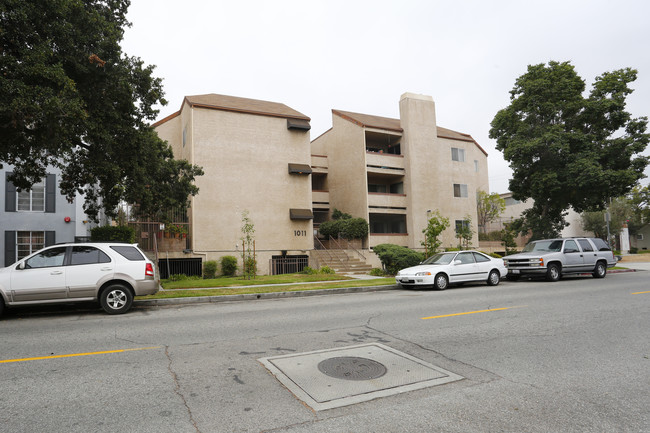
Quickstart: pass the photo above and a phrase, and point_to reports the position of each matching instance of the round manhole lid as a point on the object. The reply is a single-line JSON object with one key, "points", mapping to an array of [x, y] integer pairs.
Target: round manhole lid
{"points": [[352, 368]]}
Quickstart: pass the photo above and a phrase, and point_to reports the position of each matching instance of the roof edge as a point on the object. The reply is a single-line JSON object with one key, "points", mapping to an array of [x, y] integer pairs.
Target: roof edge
{"points": [[239, 110], [165, 119]]}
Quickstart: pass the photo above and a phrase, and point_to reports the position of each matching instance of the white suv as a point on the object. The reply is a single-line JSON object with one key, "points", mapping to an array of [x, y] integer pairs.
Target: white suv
{"points": [[111, 273]]}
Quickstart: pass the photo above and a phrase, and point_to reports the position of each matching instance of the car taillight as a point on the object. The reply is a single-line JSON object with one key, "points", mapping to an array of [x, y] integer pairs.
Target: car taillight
{"points": [[148, 270]]}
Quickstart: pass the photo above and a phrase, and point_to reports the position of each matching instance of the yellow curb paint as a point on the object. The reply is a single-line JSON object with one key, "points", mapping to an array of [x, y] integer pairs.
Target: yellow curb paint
{"points": [[639, 293], [71, 355], [469, 312]]}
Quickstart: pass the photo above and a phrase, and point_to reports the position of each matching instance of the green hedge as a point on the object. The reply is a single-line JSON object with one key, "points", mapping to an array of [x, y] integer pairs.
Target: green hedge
{"points": [[210, 269], [394, 257], [349, 228], [229, 265], [113, 234]]}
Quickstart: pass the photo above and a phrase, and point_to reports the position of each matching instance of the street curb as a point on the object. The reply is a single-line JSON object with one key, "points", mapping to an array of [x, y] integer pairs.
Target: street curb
{"points": [[256, 296], [279, 295]]}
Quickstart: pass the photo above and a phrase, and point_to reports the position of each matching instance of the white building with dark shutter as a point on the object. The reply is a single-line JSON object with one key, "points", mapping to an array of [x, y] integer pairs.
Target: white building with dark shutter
{"points": [[41, 216]]}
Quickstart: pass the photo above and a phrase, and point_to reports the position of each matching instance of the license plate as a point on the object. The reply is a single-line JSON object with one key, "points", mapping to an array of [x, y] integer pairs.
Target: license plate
{"points": [[514, 271]]}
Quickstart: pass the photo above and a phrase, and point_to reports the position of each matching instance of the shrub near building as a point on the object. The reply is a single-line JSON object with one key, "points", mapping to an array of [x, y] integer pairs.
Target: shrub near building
{"points": [[394, 257]]}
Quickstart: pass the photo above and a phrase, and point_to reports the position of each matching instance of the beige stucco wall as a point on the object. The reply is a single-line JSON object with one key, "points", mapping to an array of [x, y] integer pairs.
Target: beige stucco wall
{"points": [[346, 179], [245, 158], [431, 173]]}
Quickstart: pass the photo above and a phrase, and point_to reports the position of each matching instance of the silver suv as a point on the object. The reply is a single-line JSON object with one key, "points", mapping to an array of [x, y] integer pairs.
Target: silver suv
{"points": [[111, 273], [554, 257]]}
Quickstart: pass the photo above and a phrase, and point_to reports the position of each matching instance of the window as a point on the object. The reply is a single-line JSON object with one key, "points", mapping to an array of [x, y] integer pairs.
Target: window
{"points": [[481, 258], [460, 190], [84, 255], [377, 188], [28, 243], [639, 237], [465, 258], [462, 225], [129, 252], [397, 188], [586, 246], [476, 166], [46, 259], [32, 200], [571, 247], [601, 245], [457, 154]]}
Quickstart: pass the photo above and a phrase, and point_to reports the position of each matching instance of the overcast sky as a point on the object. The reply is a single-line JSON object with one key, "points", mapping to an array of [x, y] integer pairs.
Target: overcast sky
{"points": [[361, 56]]}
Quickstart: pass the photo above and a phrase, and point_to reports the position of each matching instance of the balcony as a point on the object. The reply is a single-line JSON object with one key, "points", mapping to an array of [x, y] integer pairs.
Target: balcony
{"points": [[319, 164], [320, 199], [388, 202], [385, 164]]}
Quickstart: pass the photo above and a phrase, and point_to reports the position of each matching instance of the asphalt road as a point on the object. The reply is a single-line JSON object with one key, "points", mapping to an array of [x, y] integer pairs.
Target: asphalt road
{"points": [[572, 356]]}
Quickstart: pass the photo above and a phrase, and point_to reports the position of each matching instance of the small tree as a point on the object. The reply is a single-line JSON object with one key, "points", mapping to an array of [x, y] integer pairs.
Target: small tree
{"points": [[248, 250], [509, 236], [489, 207], [436, 225], [464, 233], [595, 222]]}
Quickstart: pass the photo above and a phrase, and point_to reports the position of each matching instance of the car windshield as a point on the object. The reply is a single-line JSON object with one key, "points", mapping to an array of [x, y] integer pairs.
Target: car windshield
{"points": [[544, 246], [439, 259]]}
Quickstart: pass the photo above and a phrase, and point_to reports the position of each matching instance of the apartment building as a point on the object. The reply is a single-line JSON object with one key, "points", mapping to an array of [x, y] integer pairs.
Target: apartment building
{"points": [[256, 158], [395, 172], [36, 218]]}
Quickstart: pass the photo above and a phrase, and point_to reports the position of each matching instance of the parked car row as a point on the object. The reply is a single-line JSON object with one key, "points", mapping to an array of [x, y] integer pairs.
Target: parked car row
{"points": [[548, 258], [109, 273], [113, 273]]}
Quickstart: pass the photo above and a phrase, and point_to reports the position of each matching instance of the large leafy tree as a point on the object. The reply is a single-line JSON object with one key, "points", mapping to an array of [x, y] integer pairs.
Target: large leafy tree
{"points": [[567, 149], [70, 98]]}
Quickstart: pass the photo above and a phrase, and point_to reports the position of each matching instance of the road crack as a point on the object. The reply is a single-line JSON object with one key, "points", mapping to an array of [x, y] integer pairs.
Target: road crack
{"points": [[177, 389]]}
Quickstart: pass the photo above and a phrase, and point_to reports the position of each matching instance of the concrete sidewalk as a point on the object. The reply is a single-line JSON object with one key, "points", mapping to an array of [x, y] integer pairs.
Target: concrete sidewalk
{"points": [[631, 267]]}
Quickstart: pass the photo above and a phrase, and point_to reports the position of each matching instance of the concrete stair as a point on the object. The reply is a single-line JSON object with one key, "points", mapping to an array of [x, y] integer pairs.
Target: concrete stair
{"points": [[342, 262]]}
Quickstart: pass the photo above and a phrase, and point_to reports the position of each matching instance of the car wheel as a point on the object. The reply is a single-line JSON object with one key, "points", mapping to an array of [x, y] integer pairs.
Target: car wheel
{"points": [[553, 272], [600, 270], [116, 299], [2, 305], [441, 282], [511, 277], [494, 278]]}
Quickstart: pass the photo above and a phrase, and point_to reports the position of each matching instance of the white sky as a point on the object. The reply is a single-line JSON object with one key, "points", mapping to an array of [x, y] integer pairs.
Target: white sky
{"points": [[361, 56]]}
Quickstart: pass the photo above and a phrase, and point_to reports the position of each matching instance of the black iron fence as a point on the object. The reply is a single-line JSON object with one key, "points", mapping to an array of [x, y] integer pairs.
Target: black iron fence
{"points": [[189, 267], [288, 264]]}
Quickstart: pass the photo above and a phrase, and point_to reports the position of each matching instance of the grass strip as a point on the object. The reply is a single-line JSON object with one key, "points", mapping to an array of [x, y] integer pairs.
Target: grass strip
{"points": [[240, 281], [187, 293]]}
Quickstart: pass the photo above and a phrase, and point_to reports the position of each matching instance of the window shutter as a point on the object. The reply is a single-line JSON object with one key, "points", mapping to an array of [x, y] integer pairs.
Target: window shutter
{"points": [[10, 195], [10, 247], [50, 238], [50, 193]]}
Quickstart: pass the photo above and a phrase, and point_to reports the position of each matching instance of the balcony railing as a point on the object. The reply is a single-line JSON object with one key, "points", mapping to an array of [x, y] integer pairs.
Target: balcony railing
{"points": [[384, 200]]}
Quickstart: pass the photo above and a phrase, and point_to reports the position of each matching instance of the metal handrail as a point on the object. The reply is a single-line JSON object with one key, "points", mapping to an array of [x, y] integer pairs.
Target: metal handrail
{"points": [[350, 247], [343, 263]]}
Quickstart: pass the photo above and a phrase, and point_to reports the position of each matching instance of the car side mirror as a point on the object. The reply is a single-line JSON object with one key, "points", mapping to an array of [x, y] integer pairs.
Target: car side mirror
{"points": [[571, 250], [458, 262], [21, 266]]}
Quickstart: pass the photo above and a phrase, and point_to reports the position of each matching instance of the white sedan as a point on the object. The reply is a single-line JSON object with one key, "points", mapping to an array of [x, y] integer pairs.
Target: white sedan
{"points": [[442, 269]]}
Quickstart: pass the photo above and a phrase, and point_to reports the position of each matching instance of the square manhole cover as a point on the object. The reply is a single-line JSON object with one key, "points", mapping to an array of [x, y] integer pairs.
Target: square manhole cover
{"points": [[331, 378]]}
